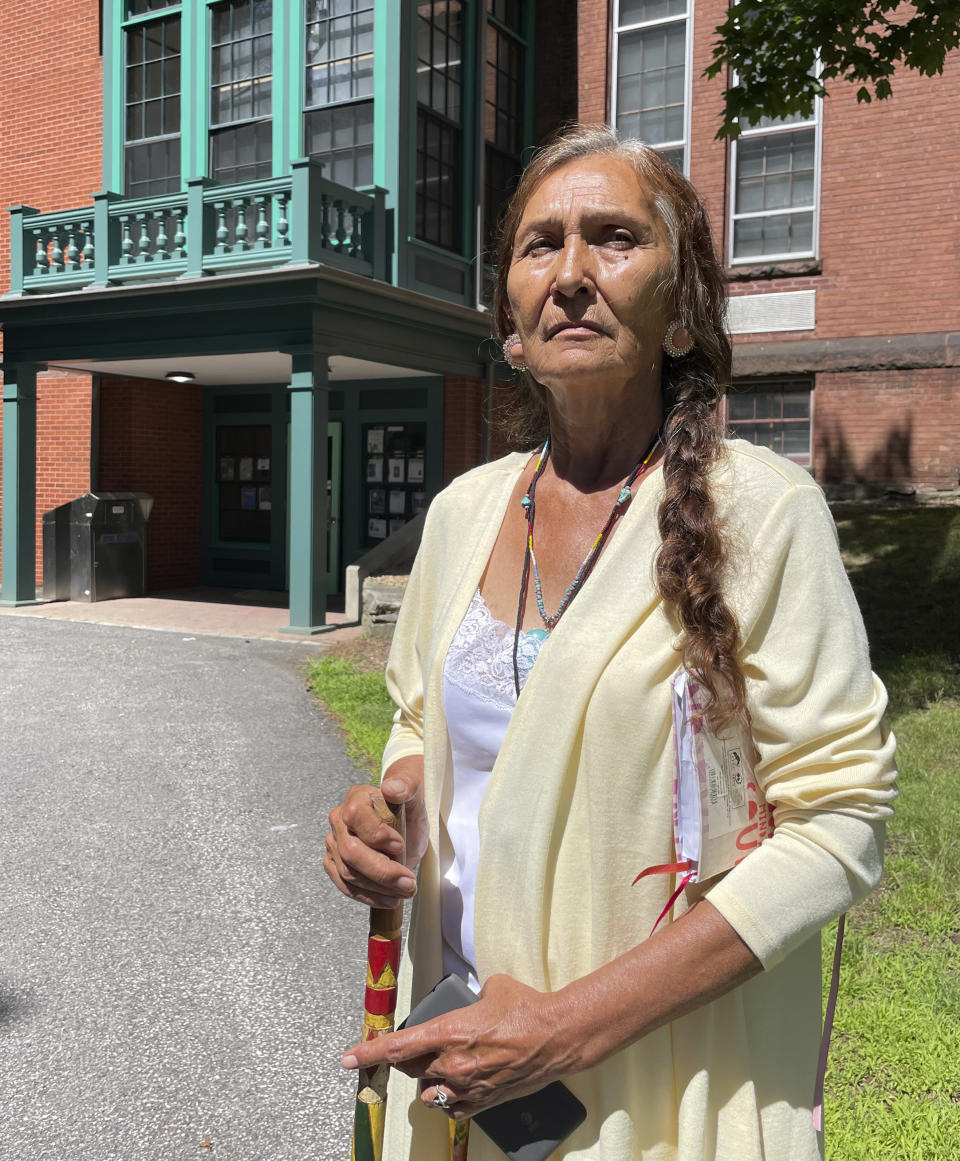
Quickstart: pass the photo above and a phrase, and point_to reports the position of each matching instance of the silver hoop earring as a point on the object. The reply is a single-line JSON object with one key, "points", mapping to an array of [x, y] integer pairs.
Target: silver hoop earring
{"points": [[509, 343], [674, 349]]}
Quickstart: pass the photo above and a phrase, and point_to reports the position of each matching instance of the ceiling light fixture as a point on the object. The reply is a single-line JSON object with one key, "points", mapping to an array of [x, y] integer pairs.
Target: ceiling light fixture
{"points": [[180, 376]]}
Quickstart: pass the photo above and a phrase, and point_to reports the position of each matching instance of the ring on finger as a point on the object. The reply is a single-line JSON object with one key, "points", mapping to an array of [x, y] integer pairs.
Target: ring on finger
{"points": [[441, 1100]]}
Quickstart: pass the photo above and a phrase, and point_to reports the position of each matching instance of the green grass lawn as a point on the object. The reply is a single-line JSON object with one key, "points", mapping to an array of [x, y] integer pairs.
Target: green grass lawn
{"points": [[893, 1083]]}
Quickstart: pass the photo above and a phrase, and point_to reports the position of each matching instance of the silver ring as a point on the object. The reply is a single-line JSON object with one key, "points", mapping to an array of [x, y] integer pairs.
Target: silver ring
{"points": [[441, 1100]]}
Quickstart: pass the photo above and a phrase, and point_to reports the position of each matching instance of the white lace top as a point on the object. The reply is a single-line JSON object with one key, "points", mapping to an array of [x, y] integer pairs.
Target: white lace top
{"points": [[479, 697]]}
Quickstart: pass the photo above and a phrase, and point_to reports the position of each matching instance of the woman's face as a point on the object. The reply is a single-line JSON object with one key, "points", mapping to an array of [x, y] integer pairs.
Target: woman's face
{"points": [[590, 258]]}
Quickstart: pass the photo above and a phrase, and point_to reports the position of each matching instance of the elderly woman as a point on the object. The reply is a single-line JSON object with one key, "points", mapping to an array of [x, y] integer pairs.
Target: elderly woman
{"points": [[626, 538]]}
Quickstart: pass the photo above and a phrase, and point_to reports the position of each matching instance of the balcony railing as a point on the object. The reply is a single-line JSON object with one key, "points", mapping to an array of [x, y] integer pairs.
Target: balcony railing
{"points": [[208, 229]]}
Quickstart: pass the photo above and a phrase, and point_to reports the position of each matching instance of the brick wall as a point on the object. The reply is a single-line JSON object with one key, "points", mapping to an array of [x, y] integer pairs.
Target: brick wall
{"points": [[151, 440], [892, 427], [889, 198], [50, 133], [51, 118], [889, 249], [594, 20], [462, 425]]}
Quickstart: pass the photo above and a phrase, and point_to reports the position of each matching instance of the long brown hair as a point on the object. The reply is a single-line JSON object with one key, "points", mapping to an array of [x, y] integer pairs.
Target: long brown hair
{"points": [[692, 556]]}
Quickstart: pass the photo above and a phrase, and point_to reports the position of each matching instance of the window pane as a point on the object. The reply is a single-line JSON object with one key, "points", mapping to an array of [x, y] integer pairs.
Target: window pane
{"points": [[152, 169], [342, 138], [153, 76], [134, 125], [651, 79], [339, 57], [153, 40], [739, 406], [147, 115], [143, 7], [782, 165], [775, 415], [776, 234], [796, 439], [152, 119], [134, 83], [796, 405], [241, 67], [171, 115], [241, 153], [637, 11]]}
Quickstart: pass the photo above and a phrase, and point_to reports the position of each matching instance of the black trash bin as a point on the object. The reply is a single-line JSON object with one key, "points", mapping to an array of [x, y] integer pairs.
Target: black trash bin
{"points": [[94, 548]]}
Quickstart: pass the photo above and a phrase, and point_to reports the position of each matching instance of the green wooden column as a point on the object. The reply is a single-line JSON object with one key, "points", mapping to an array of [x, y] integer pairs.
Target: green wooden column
{"points": [[19, 515], [308, 494]]}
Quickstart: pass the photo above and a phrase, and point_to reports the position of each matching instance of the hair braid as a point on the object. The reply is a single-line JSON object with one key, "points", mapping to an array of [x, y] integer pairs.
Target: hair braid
{"points": [[692, 556]]}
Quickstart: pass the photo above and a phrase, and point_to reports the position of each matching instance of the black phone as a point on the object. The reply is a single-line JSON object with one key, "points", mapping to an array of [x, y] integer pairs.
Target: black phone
{"points": [[528, 1128]]}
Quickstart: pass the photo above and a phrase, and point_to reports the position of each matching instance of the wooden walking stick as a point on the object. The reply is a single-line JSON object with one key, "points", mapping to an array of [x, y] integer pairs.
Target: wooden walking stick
{"points": [[379, 1006], [380, 1002]]}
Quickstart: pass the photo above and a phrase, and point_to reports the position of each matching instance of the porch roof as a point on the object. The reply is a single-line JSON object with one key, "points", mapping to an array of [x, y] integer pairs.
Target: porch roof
{"points": [[292, 309]]}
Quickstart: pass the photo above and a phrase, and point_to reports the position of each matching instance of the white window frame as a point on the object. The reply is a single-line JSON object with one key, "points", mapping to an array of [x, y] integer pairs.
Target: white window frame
{"points": [[816, 124], [753, 387], [642, 26]]}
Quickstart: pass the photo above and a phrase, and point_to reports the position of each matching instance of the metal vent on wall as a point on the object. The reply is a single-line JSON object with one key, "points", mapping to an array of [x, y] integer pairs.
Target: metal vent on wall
{"points": [[792, 310]]}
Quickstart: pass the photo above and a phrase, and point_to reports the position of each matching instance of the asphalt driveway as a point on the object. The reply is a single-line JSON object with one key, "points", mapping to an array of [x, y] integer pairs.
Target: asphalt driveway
{"points": [[176, 978]]}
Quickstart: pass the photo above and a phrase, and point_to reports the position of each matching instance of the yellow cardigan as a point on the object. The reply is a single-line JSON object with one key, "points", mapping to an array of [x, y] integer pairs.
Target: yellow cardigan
{"points": [[580, 800]]}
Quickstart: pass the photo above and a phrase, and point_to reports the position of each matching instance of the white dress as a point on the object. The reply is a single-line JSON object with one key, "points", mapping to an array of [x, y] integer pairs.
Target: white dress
{"points": [[479, 698]]}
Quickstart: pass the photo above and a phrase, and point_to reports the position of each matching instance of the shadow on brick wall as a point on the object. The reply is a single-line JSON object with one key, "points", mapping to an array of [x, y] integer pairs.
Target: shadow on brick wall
{"points": [[890, 465]]}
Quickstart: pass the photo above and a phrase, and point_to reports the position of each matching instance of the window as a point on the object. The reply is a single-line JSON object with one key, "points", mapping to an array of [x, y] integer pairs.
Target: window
{"points": [[503, 108], [151, 154], [338, 117], [241, 90], [145, 7], [776, 415], [776, 168], [439, 122], [651, 48]]}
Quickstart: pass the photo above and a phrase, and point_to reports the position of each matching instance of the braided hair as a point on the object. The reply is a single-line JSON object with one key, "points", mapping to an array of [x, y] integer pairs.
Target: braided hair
{"points": [[692, 556]]}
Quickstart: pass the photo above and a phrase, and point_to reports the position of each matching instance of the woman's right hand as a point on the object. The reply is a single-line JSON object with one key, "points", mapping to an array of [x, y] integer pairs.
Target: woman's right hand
{"points": [[364, 852]]}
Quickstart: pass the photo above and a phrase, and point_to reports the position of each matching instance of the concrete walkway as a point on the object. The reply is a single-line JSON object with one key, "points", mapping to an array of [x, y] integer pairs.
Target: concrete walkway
{"points": [[177, 979], [252, 615]]}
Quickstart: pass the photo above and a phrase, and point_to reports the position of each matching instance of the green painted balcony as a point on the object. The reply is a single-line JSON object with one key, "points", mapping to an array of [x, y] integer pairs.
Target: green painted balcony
{"points": [[208, 229]]}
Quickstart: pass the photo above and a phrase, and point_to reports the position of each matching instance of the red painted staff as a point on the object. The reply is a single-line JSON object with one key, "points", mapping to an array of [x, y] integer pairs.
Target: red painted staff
{"points": [[380, 1002], [379, 1007]]}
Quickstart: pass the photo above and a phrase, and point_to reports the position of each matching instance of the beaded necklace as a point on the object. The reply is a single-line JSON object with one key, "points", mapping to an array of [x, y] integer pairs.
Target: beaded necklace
{"points": [[528, 503]]}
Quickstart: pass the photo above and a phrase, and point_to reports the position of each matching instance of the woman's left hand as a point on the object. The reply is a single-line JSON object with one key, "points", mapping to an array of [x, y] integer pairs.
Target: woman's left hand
{"points": [[510, 1043]]}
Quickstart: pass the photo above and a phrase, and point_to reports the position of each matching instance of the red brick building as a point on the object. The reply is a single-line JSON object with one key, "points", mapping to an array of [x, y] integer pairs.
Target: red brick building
{"points": [[290, 202]]}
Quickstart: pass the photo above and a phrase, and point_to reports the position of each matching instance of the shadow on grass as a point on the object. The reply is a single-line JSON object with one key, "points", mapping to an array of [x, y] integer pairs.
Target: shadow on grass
{"points": [[904, 565]]}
